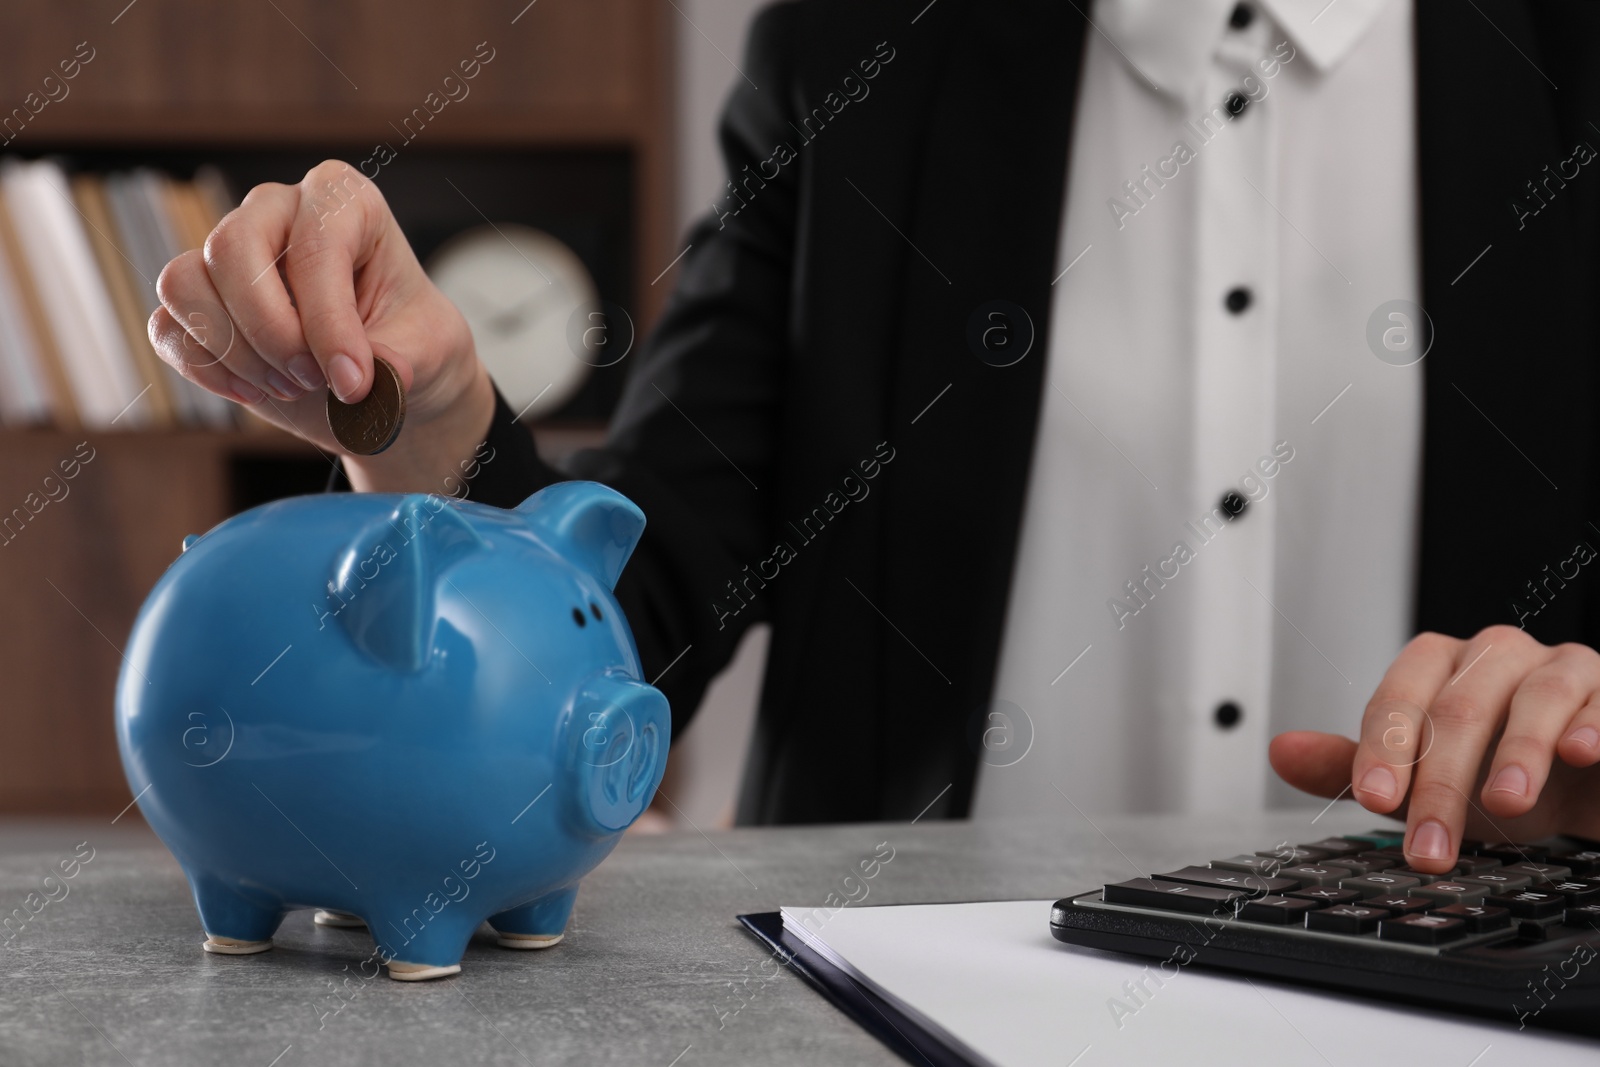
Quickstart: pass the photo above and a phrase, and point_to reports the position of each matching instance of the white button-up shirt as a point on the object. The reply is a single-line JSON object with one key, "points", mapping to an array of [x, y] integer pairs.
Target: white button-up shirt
{"points": [[1210, 334]]}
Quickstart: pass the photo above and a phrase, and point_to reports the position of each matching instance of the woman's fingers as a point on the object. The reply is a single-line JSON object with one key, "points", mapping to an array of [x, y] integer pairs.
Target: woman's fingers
{"points": [[1467, 713], [336, 230], [241, 258], [1395, 730], [198, 338], [1542, 712], [278, 306], [174, 345], [1461, 737], [1580, 746], [1313, 762]]}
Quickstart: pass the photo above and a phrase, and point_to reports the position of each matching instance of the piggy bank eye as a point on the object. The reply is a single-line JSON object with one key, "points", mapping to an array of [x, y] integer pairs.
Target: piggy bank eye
{"points": [[594, 609], [577, 617]]}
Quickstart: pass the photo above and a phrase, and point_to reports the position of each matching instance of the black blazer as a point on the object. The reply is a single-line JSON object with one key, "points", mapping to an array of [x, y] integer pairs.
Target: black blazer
{"points": [[776, 427]]}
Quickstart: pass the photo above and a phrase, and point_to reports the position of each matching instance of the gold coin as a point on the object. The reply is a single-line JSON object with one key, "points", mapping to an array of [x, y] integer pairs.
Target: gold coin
{"points": [[372, 423]]}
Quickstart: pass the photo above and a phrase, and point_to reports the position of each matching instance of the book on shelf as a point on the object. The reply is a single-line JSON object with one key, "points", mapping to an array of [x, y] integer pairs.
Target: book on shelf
{"points": [[98, 369], [89, 193], [27, 397], [79, 259], [25, 294]]}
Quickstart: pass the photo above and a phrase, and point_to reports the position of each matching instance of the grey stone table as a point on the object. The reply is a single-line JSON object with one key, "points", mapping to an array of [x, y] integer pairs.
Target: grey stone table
{"points": [[654, 970]]}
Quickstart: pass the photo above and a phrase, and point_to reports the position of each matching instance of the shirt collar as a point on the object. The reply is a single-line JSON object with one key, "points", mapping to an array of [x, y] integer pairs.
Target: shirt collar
{"points": [[1170, 42]]}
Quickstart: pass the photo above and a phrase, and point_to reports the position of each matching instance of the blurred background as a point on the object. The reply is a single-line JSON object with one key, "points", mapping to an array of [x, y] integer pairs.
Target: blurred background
{"points": [[581, 133]]}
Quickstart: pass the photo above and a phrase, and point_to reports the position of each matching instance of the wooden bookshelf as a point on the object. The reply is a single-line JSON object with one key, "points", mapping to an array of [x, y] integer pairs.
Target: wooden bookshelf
{"points": [[286, 79], [75, 576], [304, 73]]}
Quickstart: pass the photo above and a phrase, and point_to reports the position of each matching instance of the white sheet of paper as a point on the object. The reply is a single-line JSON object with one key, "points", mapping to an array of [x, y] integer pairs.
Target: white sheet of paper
{"points": [[991, 979]]}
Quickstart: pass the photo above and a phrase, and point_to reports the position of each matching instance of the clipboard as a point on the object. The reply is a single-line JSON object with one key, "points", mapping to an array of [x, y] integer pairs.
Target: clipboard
{"points": [[903, 1035]]}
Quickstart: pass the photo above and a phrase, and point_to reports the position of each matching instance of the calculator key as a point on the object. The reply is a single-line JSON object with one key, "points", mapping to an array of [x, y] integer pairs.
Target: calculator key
{"points": [[1421, 876], [1540, 872], [1375, 839], [1280, 911], [1421, 929], [1171, 896], [1379, 860], [1530, 903], [1473, 864], [1497, 880], [1480, 918], [1254, 885], [1345, 919], [1250, 864], [1379, 883], [1576, 892], [1400, 904], [1509, 852], [1540, 929], [1340, 846], [1582, 862], [1326, 895], [1311, 874], [1360, 864], [1451, 892], [1291, 856], [1584, 915]]}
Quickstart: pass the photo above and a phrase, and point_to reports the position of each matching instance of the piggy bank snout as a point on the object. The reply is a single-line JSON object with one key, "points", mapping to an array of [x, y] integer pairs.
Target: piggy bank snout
{"points": [[621, 730]]}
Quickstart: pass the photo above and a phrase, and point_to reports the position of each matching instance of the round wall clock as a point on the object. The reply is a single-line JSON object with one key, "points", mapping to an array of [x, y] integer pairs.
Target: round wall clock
{"points": [[518, 287]]}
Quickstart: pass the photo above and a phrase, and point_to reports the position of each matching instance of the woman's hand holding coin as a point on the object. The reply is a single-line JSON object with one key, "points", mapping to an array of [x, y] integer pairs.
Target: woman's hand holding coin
{"points": [[297, 303]]}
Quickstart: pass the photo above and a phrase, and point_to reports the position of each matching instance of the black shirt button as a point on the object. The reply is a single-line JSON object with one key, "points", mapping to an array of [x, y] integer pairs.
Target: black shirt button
{"points": [[1227, 715], [1242, 14], [1235, 102], [1237, 300], [1233, 504]]}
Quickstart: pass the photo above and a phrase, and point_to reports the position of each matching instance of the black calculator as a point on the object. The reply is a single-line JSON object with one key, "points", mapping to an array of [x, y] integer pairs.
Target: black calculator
{"points": [[1510, 932]]}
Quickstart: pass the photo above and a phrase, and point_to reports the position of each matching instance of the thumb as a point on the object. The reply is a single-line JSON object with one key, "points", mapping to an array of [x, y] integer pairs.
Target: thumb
{"points": [[1314, 762]]}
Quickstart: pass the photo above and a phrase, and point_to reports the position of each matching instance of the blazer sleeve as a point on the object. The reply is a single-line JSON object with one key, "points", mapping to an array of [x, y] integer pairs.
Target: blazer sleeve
{"points": [[695, 436]]}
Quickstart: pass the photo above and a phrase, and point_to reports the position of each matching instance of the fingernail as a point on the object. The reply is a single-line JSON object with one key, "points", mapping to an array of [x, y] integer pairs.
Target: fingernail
{"points": [[304, 370], [1512, 779], [343, 375], [1431, 841], [1587, 736], [1380, 783], [285, 389], [247, 392]]}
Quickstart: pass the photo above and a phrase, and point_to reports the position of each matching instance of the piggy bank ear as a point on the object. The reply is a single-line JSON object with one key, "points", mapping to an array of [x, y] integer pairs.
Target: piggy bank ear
{"points": [[590, 524], [386, 577]]}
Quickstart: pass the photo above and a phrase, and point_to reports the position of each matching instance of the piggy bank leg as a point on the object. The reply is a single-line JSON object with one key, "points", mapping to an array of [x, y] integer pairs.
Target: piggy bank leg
{"points": [[537, 925], [415, 950], [235, 925]]}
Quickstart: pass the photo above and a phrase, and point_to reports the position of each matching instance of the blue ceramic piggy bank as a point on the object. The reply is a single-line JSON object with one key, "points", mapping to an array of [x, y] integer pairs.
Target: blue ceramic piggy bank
{"points": [[405, 710]]}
